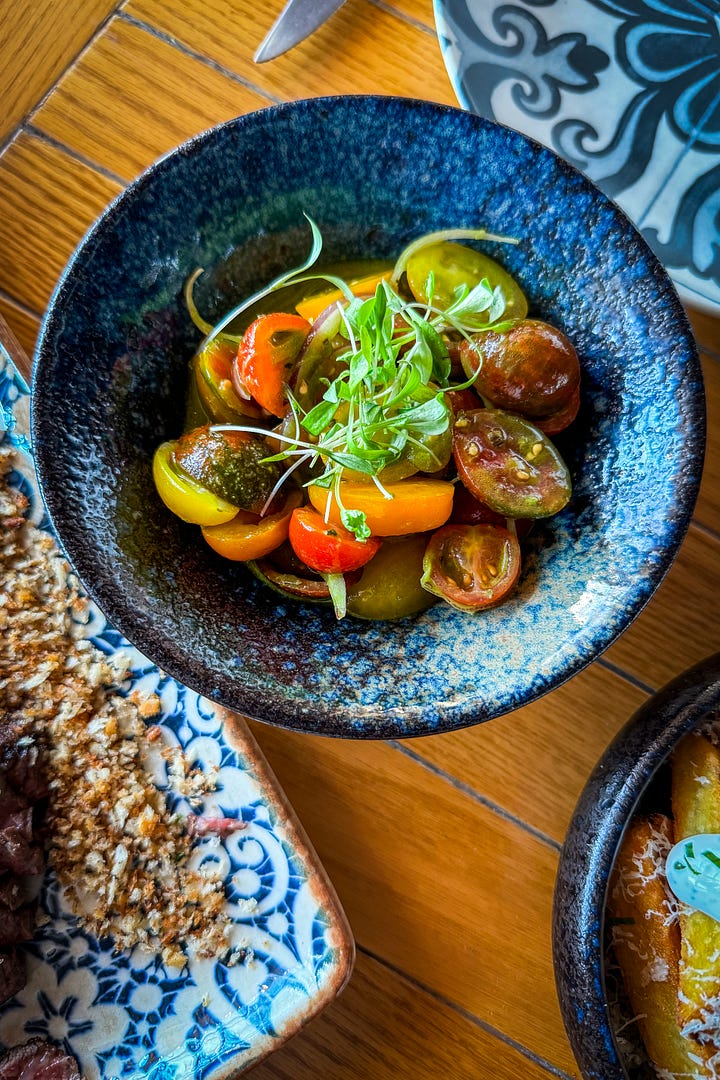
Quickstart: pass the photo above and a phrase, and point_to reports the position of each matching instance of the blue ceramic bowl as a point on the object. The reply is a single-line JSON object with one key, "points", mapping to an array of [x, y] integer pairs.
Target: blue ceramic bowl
{"points": [[374, 172], [618, 783]]}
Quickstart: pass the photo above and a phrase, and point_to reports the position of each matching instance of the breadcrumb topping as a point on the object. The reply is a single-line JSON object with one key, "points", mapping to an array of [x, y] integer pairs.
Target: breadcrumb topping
{"points": [[121, 856]]}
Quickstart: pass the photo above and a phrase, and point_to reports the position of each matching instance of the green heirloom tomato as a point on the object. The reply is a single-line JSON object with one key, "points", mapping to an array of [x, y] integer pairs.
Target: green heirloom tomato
{"points": [[317, 364], [509, 464], [454, 265], [212, 369], [389, 585]]}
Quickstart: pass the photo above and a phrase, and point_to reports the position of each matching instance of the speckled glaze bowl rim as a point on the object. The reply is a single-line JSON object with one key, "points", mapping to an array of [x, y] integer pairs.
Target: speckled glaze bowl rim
{"points": [[424, 718], [608, 800]]}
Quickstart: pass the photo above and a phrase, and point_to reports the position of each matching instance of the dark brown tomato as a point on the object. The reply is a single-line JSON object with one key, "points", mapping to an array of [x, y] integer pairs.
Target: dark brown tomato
{"points": [[532, 368], [563, 418], [471, 567], [467, 510], [509, 464], [463, 400], [293, 586]]}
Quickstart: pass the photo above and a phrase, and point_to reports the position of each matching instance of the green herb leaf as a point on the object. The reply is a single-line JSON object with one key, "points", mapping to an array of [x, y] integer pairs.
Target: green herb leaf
{"points": [[355, 522], [318, 418]]}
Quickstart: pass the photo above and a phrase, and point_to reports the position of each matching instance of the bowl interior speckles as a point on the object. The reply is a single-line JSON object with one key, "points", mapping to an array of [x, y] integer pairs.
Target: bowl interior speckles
{"points": [[373, 173], [608, 801]]}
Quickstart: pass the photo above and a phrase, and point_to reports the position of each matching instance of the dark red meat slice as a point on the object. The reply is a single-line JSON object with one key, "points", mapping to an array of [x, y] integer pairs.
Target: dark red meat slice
{"points": [[23, 773], [12, 974], [17, 851], [38, 1060], [17, 926]]}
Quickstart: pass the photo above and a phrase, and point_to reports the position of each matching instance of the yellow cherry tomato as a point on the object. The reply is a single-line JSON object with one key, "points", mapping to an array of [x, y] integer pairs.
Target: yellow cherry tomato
{"points": [[416, 505], [248, 537], [314, 305], [184, 496]]}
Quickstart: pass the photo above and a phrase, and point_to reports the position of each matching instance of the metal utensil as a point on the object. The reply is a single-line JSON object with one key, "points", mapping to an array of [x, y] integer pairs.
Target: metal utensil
{"points": [[297, 20]]}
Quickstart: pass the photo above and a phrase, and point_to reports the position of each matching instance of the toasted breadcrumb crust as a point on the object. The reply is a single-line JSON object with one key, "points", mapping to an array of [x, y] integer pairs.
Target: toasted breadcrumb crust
{"points": [[120, 855]]}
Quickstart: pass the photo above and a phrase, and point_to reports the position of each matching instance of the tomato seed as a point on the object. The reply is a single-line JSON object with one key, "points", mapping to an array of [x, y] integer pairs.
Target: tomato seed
{"points": [[473, 450]]}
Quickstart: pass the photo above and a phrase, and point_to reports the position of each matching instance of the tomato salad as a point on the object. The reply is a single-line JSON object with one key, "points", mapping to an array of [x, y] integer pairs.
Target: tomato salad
{"points": [[386, 442]]}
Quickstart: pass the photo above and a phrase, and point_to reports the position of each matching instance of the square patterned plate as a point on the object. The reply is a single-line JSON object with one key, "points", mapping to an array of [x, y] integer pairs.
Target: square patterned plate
{"points": [[627, 91], [124, 1015]]}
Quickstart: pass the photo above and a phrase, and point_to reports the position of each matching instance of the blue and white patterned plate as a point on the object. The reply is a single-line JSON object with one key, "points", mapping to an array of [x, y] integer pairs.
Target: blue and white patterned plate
{"points": [[125, 1016], [628, 91]]}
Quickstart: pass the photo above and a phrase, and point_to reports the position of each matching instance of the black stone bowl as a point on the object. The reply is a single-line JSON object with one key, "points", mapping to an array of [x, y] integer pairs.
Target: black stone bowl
{"points": [[374, 173], [618, 783]]}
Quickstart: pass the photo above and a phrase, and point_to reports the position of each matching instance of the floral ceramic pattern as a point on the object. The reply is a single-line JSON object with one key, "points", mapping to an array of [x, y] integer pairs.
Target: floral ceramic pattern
{"points": [[626, 90], [127, 1016]]}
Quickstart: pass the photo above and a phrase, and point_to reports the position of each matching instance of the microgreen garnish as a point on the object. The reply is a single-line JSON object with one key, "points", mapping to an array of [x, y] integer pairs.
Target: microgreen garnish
{"points": [[338, 593], [388, 393], [290, 277]]}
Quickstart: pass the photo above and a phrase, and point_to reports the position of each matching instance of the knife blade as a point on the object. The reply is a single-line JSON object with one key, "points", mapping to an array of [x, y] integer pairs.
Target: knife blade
{"points": [[297, 20]]}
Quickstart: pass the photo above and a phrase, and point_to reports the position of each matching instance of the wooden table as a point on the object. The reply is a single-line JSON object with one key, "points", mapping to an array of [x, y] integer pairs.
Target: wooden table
{"points": [[443, 850]]}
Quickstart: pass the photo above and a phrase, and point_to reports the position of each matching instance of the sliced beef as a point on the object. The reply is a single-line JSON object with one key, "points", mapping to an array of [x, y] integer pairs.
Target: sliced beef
{"points": [[38, 1060], [22, 770], [12, 974], [12, 893], [17, 926], [17, 850]]}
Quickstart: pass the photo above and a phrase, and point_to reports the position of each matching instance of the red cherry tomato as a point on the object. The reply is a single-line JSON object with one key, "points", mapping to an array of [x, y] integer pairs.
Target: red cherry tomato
{"points": [[267, 355], [471, 566], [328, 548]]}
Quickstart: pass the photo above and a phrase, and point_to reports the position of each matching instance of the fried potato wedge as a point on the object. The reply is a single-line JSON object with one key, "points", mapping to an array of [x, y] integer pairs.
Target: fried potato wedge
{"points": [[646, 941], [696, 809]]}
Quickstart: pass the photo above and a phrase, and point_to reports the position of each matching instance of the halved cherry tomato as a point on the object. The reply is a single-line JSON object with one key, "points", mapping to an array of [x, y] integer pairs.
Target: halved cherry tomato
{"points": [[463, 400], [212, 368], [416, 505], [561, 419], [453, 265], [230, 463], [508, 463], [467, 510], [317, 360], [471, 566], [329, 549], [389, 585], [266, 355], [314, 305], [248, 537], [531, 369], [186, 498], [290, 585]]}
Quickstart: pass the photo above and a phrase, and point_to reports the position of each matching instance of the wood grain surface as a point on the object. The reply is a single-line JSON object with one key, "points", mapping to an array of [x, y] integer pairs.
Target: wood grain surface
{"points": [[444, 849]]}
